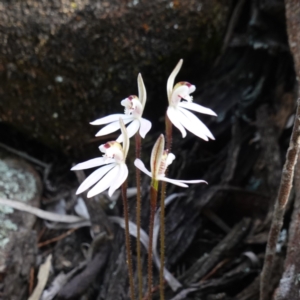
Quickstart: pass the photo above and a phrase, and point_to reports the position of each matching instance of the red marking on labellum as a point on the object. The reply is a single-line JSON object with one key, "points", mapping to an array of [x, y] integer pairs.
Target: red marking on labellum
{"points": [[184, 83]]}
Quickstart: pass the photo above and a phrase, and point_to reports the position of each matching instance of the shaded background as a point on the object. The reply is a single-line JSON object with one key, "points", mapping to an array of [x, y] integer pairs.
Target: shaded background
{"points": [[65, 63]]}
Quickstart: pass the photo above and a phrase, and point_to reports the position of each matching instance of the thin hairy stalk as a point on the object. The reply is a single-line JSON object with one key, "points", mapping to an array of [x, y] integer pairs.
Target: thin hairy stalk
{"points": [[162, 214], [127, 239], [153, 203], [162, 240], [168, 133], [138, 216], [292, 9]]}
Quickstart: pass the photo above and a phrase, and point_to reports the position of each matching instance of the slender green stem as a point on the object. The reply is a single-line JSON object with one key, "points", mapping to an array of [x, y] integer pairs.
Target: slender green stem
{"points": [[153, 203], [127, 238], [138, 216]]}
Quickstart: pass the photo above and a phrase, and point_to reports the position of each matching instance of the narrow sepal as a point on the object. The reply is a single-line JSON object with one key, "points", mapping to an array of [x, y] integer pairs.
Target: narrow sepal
{"points": [[156, 155], [142, 90], [171, 79], [125, 138]]}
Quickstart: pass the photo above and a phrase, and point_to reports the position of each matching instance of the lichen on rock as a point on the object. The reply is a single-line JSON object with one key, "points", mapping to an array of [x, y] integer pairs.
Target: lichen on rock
{"points": [[15, 183], [18, 181]]}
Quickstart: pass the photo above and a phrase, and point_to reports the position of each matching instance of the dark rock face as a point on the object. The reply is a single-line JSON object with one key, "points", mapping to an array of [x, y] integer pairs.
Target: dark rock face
{"points": [[65, 63]]}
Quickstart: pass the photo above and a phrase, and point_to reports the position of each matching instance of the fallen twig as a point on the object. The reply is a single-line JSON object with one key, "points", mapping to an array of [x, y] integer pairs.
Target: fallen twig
{"points": [[60, 237], [31, 280]]}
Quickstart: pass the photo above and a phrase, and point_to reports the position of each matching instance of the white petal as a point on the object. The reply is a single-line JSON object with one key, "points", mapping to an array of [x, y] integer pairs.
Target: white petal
{"points": [[112, 127], [192, 89], [172, 77], [133, 127], [190, 126], [181, 182], [95, 162], [105, 182], [197, 107], [193, 181], [174, 118], [131, 130], [109, 128], [94, 177], [120, 139], [142, 90], [140, 165], [145, 127], [122, 175], [170, 159], [194, 125], [109, 119], [174, 181]]}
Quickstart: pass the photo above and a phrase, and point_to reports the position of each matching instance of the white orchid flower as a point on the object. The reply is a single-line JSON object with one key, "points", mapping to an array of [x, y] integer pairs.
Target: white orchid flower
{"points": [[113, 171], [178, 112], [160, 160], [134, 107]]}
